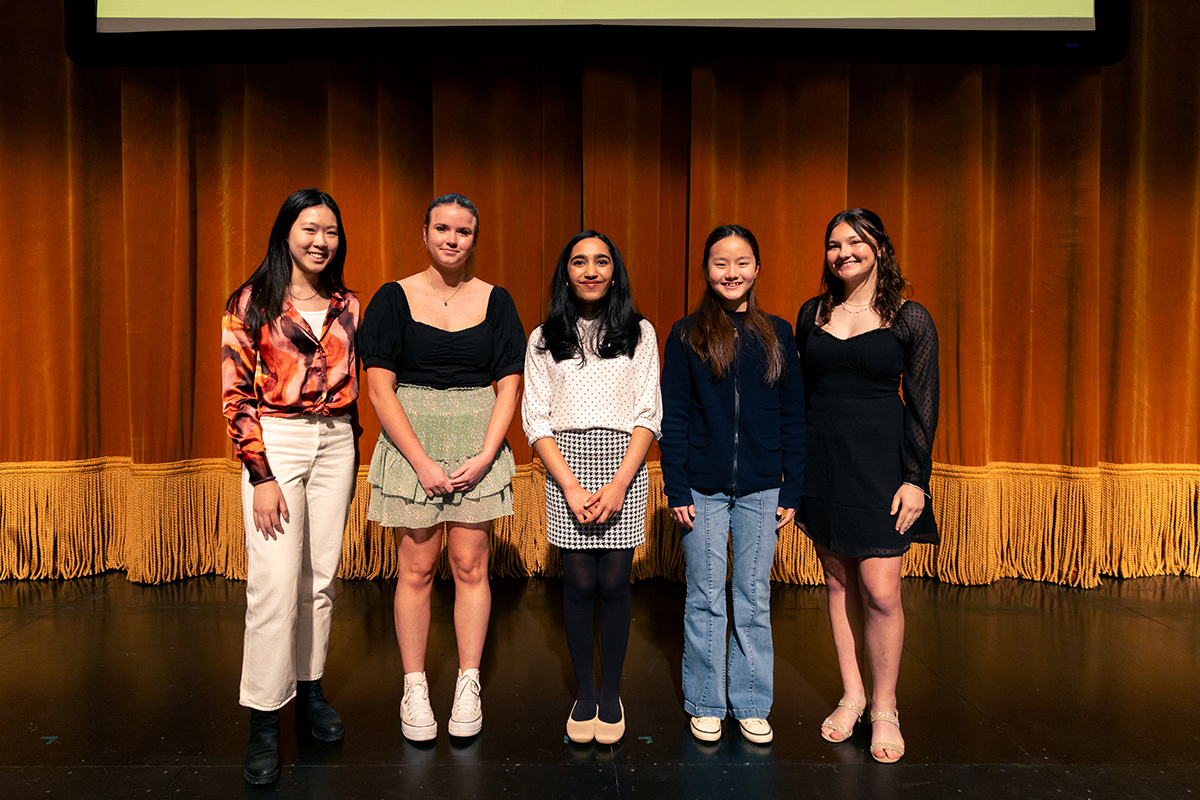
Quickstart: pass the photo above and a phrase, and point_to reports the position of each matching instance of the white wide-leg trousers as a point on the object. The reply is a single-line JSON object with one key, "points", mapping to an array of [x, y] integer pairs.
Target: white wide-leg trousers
{"points": [[289, 580]]}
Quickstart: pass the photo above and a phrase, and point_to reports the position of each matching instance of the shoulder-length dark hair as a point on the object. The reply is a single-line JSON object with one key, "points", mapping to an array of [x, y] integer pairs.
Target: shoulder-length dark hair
{"points": [[269, 283], [619, 329], [710, 333], [891, 288]]}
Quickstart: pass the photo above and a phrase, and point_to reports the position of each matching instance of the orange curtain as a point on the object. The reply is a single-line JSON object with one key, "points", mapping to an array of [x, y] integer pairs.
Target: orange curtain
{"points": [[1047, 216]]}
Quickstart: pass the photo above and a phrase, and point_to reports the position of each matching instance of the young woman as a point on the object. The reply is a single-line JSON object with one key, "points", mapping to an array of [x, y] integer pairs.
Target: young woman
{"points": [[289, 386], [869, 458], [733, 464], [591, 409], [433, 344]]}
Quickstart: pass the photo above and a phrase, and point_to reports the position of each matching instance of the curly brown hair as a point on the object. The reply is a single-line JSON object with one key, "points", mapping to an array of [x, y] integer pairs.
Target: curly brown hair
{"points": [[891, 288]]}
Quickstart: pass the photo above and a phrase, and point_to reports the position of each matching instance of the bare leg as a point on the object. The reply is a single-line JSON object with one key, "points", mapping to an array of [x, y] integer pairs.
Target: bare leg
{"points": [[879, 579], [846, 620], [468, 551], [417, 551]]}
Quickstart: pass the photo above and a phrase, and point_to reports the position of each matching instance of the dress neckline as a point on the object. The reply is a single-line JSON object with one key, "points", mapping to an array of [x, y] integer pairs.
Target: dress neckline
{"points": [[416, 321], [855, 336], [864, 333], [443, 330]]}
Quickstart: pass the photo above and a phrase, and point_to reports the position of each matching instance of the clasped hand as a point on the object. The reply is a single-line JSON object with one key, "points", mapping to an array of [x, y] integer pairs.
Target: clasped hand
{"points": [[436, 482], [597, 507]]}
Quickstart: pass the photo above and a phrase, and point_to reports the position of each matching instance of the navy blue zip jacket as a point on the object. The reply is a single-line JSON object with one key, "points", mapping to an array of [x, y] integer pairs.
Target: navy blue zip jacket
{"points": [[738, 434]]}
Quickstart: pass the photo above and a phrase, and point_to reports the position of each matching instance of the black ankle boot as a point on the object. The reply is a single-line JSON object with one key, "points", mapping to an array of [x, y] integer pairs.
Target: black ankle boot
{"points": [[262, 751], [311, 703]]}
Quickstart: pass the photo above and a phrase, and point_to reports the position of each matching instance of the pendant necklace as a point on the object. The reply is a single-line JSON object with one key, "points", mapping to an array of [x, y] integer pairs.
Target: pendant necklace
{"points": [[445, 300]]}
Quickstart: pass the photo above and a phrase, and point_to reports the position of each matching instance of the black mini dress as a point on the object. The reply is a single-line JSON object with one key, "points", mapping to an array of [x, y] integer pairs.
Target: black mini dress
{"points": [[864, 441]]}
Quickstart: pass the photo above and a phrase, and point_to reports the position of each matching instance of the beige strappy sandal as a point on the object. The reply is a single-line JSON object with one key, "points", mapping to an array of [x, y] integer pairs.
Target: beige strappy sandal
{"points": [[842, 729], [879, 748]]}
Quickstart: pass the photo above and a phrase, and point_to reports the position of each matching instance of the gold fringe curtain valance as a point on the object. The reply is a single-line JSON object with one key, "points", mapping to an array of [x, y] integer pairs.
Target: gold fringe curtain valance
{"points": [[169, 521]]}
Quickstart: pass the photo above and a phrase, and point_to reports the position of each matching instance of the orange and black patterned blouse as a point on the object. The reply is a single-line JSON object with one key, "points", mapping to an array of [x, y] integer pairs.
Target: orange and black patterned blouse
{"points": [[286, 369]]}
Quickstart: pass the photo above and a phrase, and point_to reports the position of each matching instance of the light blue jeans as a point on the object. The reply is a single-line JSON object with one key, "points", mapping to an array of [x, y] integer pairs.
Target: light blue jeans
{"points": [[706, 637]]}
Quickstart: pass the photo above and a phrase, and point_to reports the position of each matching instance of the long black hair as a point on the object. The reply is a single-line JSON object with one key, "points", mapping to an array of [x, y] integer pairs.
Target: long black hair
{"points": [[271, 280], [710, 334], [891, 287], [619, 330]]}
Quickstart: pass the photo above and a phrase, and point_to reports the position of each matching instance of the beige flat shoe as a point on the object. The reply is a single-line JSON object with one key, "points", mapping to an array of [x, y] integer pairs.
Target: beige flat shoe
{"points": [[582, 731], [610, 732], [879, 747], [838, 727]]}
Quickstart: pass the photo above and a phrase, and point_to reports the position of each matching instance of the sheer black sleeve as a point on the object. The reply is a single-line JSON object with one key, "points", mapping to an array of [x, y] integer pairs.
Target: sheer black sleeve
{"points": [[915, 331]]}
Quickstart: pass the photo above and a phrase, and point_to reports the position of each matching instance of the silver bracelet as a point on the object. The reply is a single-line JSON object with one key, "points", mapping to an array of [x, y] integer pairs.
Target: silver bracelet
{"points": [[910, 483]]}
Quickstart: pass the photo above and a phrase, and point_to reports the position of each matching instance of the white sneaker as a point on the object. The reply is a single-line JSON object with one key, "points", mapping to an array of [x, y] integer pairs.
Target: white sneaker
{"points": [[757, 730], [706, 729], [466, 716], [416, 717]]}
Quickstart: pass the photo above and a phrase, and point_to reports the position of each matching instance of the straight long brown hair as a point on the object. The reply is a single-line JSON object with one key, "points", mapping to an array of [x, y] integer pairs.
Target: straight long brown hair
{"points": [[711, 335]]}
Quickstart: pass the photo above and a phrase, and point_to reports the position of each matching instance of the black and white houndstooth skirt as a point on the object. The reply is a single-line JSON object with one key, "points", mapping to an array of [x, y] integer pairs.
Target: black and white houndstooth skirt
{"points": [[594, 456]]}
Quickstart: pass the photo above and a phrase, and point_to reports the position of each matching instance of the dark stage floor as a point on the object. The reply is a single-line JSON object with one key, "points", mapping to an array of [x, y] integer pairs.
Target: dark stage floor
{"points": [[1017, 690]]}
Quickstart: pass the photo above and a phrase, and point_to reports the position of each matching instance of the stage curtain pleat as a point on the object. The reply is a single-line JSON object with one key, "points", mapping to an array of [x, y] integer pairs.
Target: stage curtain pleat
{"points": [[1049, 218]]}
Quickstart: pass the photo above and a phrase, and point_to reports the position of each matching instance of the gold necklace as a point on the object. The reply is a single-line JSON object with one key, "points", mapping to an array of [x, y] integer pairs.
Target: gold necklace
{"points": [[303, 299], [445, 300], [852, 308]]}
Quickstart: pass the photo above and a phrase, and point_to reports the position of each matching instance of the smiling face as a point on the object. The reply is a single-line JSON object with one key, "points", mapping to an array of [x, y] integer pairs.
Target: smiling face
{"points": [[590, 272], [850, 256], [731, 270], [313, 240], [450, 236]]}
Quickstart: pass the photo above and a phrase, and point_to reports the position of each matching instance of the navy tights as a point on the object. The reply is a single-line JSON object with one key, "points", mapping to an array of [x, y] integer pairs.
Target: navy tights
{"points": [[586, 573]]}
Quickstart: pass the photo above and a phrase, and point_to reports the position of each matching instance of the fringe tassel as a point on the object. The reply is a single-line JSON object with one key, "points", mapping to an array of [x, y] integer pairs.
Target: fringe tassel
{"points": [[795, 558], [661, 555], [163, 522], [519, 546], [1035, 521], [966, 507], [368, 551], [1048, 524], [1153, 516], [177, 518], [62, 519]]}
